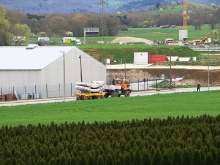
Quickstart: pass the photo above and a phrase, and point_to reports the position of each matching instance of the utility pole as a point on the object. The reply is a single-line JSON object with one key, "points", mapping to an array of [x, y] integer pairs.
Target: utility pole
{"points": [[170, 72], [125, 63], [208, 68], [64, 76], [80, 67]]}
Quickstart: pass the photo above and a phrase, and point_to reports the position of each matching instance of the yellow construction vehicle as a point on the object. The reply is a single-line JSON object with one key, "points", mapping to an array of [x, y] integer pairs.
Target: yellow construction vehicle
{"points": [[203, 39]]}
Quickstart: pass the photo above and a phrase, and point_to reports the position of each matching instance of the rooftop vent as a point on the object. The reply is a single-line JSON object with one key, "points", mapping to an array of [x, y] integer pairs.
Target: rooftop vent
{"points": [[32, 46]]}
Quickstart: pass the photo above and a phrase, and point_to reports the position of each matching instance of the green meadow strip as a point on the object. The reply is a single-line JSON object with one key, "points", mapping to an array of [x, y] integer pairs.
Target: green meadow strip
{"points": [[120, 109]]}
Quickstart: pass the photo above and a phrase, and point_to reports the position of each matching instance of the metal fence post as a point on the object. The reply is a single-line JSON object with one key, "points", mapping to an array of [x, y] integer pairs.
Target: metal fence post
{"points": [[46, 91], [138, 84], [71, 89], [147, 83], [59, 89]]}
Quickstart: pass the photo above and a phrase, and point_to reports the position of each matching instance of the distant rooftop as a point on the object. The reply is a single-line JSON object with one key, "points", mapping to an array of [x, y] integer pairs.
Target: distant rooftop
{"points": [[31, 57]]}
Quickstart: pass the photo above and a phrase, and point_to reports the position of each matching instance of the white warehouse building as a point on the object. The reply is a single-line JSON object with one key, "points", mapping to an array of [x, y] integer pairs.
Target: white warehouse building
{"points": [[43, 71]]}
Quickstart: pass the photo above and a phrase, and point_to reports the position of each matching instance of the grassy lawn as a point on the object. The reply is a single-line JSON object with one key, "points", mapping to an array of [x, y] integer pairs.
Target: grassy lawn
{"points": [[120, 109]]}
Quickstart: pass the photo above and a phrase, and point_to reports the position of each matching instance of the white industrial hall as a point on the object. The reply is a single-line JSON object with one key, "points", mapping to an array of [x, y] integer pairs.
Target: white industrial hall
{"points": [[46, 71]]}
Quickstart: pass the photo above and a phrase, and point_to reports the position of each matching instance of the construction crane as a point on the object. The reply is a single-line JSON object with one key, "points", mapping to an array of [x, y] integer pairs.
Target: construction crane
{"points": [[184, 15]]}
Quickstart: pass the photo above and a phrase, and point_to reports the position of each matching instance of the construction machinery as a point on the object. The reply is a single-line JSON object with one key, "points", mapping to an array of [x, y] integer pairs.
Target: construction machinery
{"points": [[97, 89], [203, 39], [184, 15], [89, 91], [119, 87], [185, 41], [89, 95]]}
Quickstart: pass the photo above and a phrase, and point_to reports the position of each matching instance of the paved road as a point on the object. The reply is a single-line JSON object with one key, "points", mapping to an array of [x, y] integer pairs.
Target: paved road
{"points": [[133, 94]]}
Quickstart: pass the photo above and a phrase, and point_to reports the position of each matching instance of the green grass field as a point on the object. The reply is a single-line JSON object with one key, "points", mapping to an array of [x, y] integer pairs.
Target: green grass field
{"points": [[154, 34], [120, 109], [179, 8]]}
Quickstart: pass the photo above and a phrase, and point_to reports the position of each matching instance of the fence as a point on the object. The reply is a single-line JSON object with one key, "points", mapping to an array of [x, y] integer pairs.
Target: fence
{"points": [[56, 91], [146, 83], [35, 92]]}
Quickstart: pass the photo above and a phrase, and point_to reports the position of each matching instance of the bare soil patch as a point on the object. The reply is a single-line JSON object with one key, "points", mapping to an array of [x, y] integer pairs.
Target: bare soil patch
{"points": [[191, 76], [131, 40]]}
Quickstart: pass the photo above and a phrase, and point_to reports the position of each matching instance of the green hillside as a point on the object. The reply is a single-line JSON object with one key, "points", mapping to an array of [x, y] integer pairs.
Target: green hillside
{"points": [[179, 8], [117, 51]]}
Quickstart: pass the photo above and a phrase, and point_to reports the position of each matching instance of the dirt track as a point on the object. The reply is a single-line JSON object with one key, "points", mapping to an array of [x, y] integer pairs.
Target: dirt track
{"points": [[191, 76]]}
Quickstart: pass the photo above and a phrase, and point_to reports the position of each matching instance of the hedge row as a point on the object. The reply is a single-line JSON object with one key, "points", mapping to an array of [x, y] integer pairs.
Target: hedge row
{"points": [[171, 141]]}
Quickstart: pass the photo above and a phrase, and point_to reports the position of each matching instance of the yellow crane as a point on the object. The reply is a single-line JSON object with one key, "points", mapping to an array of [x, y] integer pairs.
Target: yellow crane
{"points": [[184, 15]]}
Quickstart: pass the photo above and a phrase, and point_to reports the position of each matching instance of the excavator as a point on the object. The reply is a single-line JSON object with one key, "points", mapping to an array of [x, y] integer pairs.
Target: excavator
{"points": [[203, 39]]}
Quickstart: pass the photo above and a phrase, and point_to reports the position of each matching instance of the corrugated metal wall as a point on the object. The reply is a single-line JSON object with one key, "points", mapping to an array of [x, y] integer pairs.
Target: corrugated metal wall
{"points": [[19, 80], [52, 75], [49, 81]]}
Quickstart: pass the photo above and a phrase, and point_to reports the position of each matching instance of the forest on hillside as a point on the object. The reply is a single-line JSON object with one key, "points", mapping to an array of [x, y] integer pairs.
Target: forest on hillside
{"points": [[18, 23], [66, 6]]}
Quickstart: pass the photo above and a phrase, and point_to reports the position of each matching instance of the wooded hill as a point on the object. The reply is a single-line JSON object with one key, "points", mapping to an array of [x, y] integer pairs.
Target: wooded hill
{"points": [[65, 6]]}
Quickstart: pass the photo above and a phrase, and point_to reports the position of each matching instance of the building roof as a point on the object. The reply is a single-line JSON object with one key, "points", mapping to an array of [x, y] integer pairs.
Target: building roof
{"points": [[30, 57]]}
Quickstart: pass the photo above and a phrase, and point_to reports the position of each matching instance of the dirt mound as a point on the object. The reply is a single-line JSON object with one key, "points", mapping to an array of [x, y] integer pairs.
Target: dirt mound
{"points": [[131, 39], [202, 76], [191, 76]]}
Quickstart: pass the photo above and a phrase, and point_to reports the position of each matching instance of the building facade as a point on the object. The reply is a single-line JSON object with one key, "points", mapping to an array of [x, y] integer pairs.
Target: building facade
{"points": [[47, 71]]}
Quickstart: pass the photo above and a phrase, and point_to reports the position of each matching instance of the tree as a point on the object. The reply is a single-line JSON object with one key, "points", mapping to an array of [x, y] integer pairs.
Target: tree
{"points": [[21, 31], [146, 158], [127, 159], [44, 25], [145, 23], [34, 25], [197, 158], [5, 36], [137, 157], [165, 159], [42, 34], [186, 157], [100, 160], [109, 160], [209, 159], [112, 26], [156, 157], [77, 23], [58, 26], [134, 19], [16, 17], [176, 157]]}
